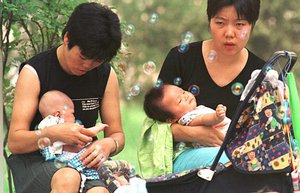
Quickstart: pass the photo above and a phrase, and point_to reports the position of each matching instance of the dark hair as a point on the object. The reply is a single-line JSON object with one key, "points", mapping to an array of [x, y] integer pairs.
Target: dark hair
{"points": [[152, 107], [96, 30], [247, 9]]}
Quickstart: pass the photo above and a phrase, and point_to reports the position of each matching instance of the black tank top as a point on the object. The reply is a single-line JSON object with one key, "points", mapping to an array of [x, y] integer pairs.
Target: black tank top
{"points": [[86, 91]]}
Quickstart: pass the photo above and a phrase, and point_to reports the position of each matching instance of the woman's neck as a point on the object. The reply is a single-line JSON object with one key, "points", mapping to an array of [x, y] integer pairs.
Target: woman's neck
{"points": [[221, 59], [61, 57]]}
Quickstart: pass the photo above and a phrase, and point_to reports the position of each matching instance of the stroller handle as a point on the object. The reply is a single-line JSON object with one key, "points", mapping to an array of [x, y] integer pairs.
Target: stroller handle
{"points": [[292, 56]]}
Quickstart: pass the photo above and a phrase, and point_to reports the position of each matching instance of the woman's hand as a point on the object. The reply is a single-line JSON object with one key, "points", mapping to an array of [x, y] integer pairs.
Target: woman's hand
{"points": [[69, 133], [97, 152], [211, 137], [206, 136]]}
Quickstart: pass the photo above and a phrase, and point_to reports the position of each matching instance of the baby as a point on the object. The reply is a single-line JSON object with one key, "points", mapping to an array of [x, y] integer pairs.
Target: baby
{"points": [[55, 108], [170, 103]]}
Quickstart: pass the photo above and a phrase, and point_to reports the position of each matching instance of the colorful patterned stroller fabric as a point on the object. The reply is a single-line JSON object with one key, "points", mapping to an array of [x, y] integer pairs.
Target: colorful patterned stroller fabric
{"points": [[260, 141]]}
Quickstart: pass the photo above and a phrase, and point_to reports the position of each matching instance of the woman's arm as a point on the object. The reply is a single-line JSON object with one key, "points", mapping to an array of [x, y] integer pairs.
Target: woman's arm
{"points": [[206, 136], [113, 141], [20, 138], [111, 113]]}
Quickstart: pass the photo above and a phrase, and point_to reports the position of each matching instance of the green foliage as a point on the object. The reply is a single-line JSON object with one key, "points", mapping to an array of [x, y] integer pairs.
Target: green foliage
{"points": [[29, 27]]}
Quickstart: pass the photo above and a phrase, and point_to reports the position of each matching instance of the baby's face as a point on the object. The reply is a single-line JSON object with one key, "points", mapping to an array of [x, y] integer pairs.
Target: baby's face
{"points": [[177, 100]]}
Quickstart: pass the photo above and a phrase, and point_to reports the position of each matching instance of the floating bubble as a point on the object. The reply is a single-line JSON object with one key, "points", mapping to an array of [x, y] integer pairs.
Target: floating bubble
{"points": [[244, 34], [128, 97], [183, 48], [130, 29], [44, 142], [237, 88], [268, 68], [187, 37], [153, 18], [149, 67], [135, 90], [79, 122], [194, 89], [60, 163], [38, 132], [132, 170], [159, 83], [212, 55], [180, 146], [177, 81]]}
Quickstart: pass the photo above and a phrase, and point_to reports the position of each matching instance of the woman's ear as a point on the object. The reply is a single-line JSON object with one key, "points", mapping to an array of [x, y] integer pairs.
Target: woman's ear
{"points": [[66, 38]]}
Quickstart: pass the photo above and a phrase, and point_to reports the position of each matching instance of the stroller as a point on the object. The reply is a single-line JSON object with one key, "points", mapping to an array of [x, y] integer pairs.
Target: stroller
{"points": [[237, 177]]}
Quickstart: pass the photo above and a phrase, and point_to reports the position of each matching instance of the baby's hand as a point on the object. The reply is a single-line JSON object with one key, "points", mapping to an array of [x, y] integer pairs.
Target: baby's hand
{"points": [[97, 128], [221, 112]]}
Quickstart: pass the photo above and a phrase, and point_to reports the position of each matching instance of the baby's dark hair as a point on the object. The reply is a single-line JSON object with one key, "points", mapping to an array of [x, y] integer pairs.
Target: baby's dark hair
{"points": [[152, 106], [247, 9]]}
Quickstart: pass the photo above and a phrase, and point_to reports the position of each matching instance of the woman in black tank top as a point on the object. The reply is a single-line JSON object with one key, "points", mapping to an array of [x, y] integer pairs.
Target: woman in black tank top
{"points": [[78, 67]]}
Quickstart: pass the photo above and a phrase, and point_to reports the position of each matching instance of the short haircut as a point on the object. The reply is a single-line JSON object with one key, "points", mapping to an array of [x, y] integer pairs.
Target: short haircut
{"points": [[152, 105], [96, 30], [247, 9]]}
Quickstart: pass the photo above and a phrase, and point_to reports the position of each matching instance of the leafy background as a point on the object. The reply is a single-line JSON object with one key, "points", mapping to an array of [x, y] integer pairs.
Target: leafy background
{"points": [[31, 26]]}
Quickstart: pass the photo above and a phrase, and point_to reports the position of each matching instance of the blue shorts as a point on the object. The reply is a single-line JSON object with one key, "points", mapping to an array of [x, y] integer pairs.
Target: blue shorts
{"points": [[197, 158]]}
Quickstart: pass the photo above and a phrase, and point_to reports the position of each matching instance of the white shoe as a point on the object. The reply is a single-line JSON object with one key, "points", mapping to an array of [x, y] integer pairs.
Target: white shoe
{"points": [[136, 185]]}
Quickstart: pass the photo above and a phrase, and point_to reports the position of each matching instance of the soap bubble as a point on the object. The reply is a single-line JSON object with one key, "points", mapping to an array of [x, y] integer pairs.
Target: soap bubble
{"points": [[135, 90], [187, 37], [153, 18], [44, 142], [237, 88], [212, 55], [130, 29], [194, 89], [244, 34], [149, 67], [268, 68], [180, 146], [183, 48], [177, 81], [58, 163], [158, 83]]}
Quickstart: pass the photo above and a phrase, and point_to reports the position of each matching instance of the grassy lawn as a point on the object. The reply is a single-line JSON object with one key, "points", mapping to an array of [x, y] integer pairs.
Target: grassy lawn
{"points": [[132, 119]]}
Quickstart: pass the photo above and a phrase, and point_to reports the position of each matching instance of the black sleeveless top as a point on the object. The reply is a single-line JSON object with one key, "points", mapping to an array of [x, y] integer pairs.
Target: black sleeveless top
{"points": [[192, 71], [86, 91]]}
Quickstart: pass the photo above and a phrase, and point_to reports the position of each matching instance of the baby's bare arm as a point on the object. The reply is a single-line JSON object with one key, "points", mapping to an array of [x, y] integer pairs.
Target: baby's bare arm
{"points": [[97, 128], [210, 119]]}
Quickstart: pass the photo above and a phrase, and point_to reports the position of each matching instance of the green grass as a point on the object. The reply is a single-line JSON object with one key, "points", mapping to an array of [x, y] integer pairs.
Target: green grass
{"points": [[132, 119]]}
